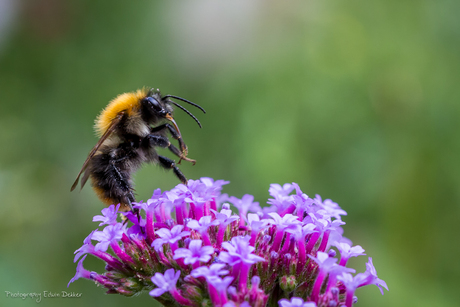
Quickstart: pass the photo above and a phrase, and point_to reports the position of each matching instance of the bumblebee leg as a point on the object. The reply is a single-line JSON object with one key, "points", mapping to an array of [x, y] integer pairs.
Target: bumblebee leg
{"points": [[157, 140], [162, 141], [130, 195], [171, 129], [170, 164], [176, 136], [125, 184], [177, 152]]}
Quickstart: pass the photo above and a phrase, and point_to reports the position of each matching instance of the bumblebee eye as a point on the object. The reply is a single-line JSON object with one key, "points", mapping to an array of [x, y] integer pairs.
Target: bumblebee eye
{"points": [[154, 104]]}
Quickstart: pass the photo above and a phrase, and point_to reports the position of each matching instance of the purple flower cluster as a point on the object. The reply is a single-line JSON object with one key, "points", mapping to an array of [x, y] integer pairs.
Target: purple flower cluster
{"points": [[189, 249]]}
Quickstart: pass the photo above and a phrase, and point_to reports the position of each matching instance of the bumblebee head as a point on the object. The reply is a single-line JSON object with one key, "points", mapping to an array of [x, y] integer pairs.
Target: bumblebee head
{"points": [[156, 108]]}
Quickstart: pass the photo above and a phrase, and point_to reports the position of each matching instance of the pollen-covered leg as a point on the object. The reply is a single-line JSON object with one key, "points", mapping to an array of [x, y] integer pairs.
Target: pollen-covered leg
{"points": [[170, 164]]}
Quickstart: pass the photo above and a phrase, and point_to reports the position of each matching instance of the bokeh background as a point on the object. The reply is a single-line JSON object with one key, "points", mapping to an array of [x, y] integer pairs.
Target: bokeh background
{"points": [[358, 101]]}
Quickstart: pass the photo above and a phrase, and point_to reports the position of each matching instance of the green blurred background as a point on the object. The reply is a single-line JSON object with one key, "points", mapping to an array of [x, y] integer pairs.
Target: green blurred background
{"points": [[357, 101]]}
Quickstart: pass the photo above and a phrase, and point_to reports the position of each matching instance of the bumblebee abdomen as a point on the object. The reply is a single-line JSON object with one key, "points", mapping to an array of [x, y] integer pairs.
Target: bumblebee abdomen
{"points": [[111, 178]]}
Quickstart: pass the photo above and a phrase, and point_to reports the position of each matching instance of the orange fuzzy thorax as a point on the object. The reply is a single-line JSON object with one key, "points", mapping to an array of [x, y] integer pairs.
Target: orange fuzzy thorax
{"points": [[127, 102]]}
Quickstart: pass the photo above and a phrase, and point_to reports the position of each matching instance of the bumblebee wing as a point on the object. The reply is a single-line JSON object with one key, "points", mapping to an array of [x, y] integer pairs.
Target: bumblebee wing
{"points": [[84, 178], [93, 151]]}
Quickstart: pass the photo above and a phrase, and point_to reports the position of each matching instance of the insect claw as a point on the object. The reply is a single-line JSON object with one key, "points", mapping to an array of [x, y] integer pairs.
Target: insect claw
{"points": [[186, 159]]}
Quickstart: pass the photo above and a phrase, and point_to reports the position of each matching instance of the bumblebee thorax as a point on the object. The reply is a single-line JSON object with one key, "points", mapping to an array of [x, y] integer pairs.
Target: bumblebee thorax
{"points": [[129, 103]]}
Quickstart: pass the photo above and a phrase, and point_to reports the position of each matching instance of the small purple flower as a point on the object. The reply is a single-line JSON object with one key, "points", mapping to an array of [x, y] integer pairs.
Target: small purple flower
{"points": [[202, 227], [281, 202], [214, 187], [177, 201], [295, 302], [111, 233], [299, 233], [221, 199], [287, 221], [141, 206], [240, 252], [350, 282], [229, 258], [346, 252], [196, 192], [165, 283], [225, 217], [362, 279], [325, 223], [215, 270], [330, 207], [325, 265], [370, 269], [197, 195], [221, 285], [211, 274], [239, 247], [203, 224], [324, 261], [245, 204], [256, 224], [81, 272], [108, 217], [157, 194], [276, 190], [86, 248], [194, 253], [169, 236]]}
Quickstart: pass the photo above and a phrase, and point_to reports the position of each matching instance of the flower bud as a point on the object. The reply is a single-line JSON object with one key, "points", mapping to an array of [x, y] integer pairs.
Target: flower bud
{"points": [[288, 283]]}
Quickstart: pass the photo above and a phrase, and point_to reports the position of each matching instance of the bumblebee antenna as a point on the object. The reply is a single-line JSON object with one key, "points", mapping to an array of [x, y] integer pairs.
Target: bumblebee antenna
{"points": [[187, 101], [187, 111]]}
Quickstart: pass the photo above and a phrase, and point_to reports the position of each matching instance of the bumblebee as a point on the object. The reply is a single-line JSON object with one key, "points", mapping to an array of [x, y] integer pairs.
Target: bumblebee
{"points": [[128, 139]]}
